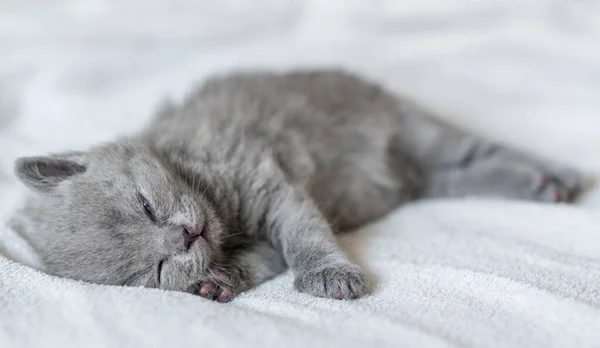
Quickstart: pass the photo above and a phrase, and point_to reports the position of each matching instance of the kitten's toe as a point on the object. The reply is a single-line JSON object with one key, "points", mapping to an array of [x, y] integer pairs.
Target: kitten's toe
{"points": [[342, 282], [208, 290], [571, 178], [216, 292], [225, 295], [571, 182], [548, 190]]}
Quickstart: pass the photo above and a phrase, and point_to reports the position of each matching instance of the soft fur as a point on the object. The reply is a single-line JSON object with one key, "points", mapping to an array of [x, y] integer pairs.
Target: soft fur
{"points": [[254, 173]]}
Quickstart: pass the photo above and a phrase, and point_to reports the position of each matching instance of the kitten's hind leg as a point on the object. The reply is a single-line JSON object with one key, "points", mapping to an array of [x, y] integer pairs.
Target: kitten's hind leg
{"points": [[460, 164], [508, 174]]}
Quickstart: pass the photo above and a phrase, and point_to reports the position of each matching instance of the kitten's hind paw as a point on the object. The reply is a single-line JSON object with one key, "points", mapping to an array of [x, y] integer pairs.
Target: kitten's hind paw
{"points": [[563, 186], [339, 281]]}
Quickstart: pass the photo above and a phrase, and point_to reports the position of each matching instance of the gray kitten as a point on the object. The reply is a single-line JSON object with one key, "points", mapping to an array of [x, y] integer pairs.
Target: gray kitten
{"points": [[254, 173]]}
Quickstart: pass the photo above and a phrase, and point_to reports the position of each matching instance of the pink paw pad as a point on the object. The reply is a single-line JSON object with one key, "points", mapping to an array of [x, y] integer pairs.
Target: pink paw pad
{"points": [[541, 180], [205, 290], [556, 196], [224, 295]]}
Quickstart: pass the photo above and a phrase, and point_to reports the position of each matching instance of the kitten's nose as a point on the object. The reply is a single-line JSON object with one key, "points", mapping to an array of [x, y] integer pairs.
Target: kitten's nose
{"points": [[190, 235]]}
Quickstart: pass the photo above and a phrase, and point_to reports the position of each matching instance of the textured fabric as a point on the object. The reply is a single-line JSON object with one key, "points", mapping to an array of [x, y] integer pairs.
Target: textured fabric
{"points": [[447, 273]]}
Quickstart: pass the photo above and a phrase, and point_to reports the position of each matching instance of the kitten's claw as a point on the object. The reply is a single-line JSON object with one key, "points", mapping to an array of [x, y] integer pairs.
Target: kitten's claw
{"points": [[341, 281]]}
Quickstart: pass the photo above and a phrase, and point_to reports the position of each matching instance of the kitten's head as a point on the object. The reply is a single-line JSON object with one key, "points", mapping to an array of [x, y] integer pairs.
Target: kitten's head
{"points": [[120, 214]]}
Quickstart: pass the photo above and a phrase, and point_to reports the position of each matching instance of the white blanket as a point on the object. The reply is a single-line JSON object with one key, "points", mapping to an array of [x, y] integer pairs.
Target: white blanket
{"points": [[448, 273]]}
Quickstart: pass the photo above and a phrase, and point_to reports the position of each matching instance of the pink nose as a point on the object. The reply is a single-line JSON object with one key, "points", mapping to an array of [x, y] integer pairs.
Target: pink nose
{"points": [[190, 235], [196, 232]]}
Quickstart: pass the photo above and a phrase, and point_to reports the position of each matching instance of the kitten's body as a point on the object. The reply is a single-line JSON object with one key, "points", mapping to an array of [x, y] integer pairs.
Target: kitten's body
{"points": [[272, 165]]}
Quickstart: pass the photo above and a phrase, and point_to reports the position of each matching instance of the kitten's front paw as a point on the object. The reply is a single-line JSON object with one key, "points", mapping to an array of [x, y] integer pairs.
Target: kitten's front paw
{"points": [[340, 281], [221, 287]]}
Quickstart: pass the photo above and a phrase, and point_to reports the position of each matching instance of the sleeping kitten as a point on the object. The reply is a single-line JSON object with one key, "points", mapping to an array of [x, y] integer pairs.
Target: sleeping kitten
{"points": [[254, 173]]}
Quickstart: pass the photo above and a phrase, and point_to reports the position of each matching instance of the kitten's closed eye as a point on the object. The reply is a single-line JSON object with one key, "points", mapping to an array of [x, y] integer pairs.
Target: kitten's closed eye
{"points": [[159, 270], [147, 208]]}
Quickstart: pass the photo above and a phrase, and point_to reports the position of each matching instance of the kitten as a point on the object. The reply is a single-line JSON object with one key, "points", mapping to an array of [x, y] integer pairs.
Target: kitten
{"points": [[254, 173]]}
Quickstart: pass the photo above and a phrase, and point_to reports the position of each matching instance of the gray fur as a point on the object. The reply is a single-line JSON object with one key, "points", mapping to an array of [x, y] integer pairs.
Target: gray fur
{"points": [[269, 166]]}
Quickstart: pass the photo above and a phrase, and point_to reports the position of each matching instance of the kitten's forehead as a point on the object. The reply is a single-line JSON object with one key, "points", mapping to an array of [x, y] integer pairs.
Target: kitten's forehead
{"points": [[119, 172], [123, 156], [134, 161]]}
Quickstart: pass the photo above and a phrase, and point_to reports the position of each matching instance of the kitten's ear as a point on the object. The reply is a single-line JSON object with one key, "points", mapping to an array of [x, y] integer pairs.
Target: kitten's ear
{"points": [[45, 173]]}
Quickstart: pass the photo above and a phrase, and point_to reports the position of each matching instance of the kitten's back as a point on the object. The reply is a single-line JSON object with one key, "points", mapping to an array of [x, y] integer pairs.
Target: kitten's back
{"points": [[327, 129]]}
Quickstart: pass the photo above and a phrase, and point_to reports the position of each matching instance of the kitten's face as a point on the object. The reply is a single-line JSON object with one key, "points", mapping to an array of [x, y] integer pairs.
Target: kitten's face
{"points": [[120, 215]]}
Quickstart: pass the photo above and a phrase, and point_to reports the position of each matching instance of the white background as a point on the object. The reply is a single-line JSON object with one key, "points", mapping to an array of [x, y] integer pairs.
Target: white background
{"points": [[73, 73]]}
